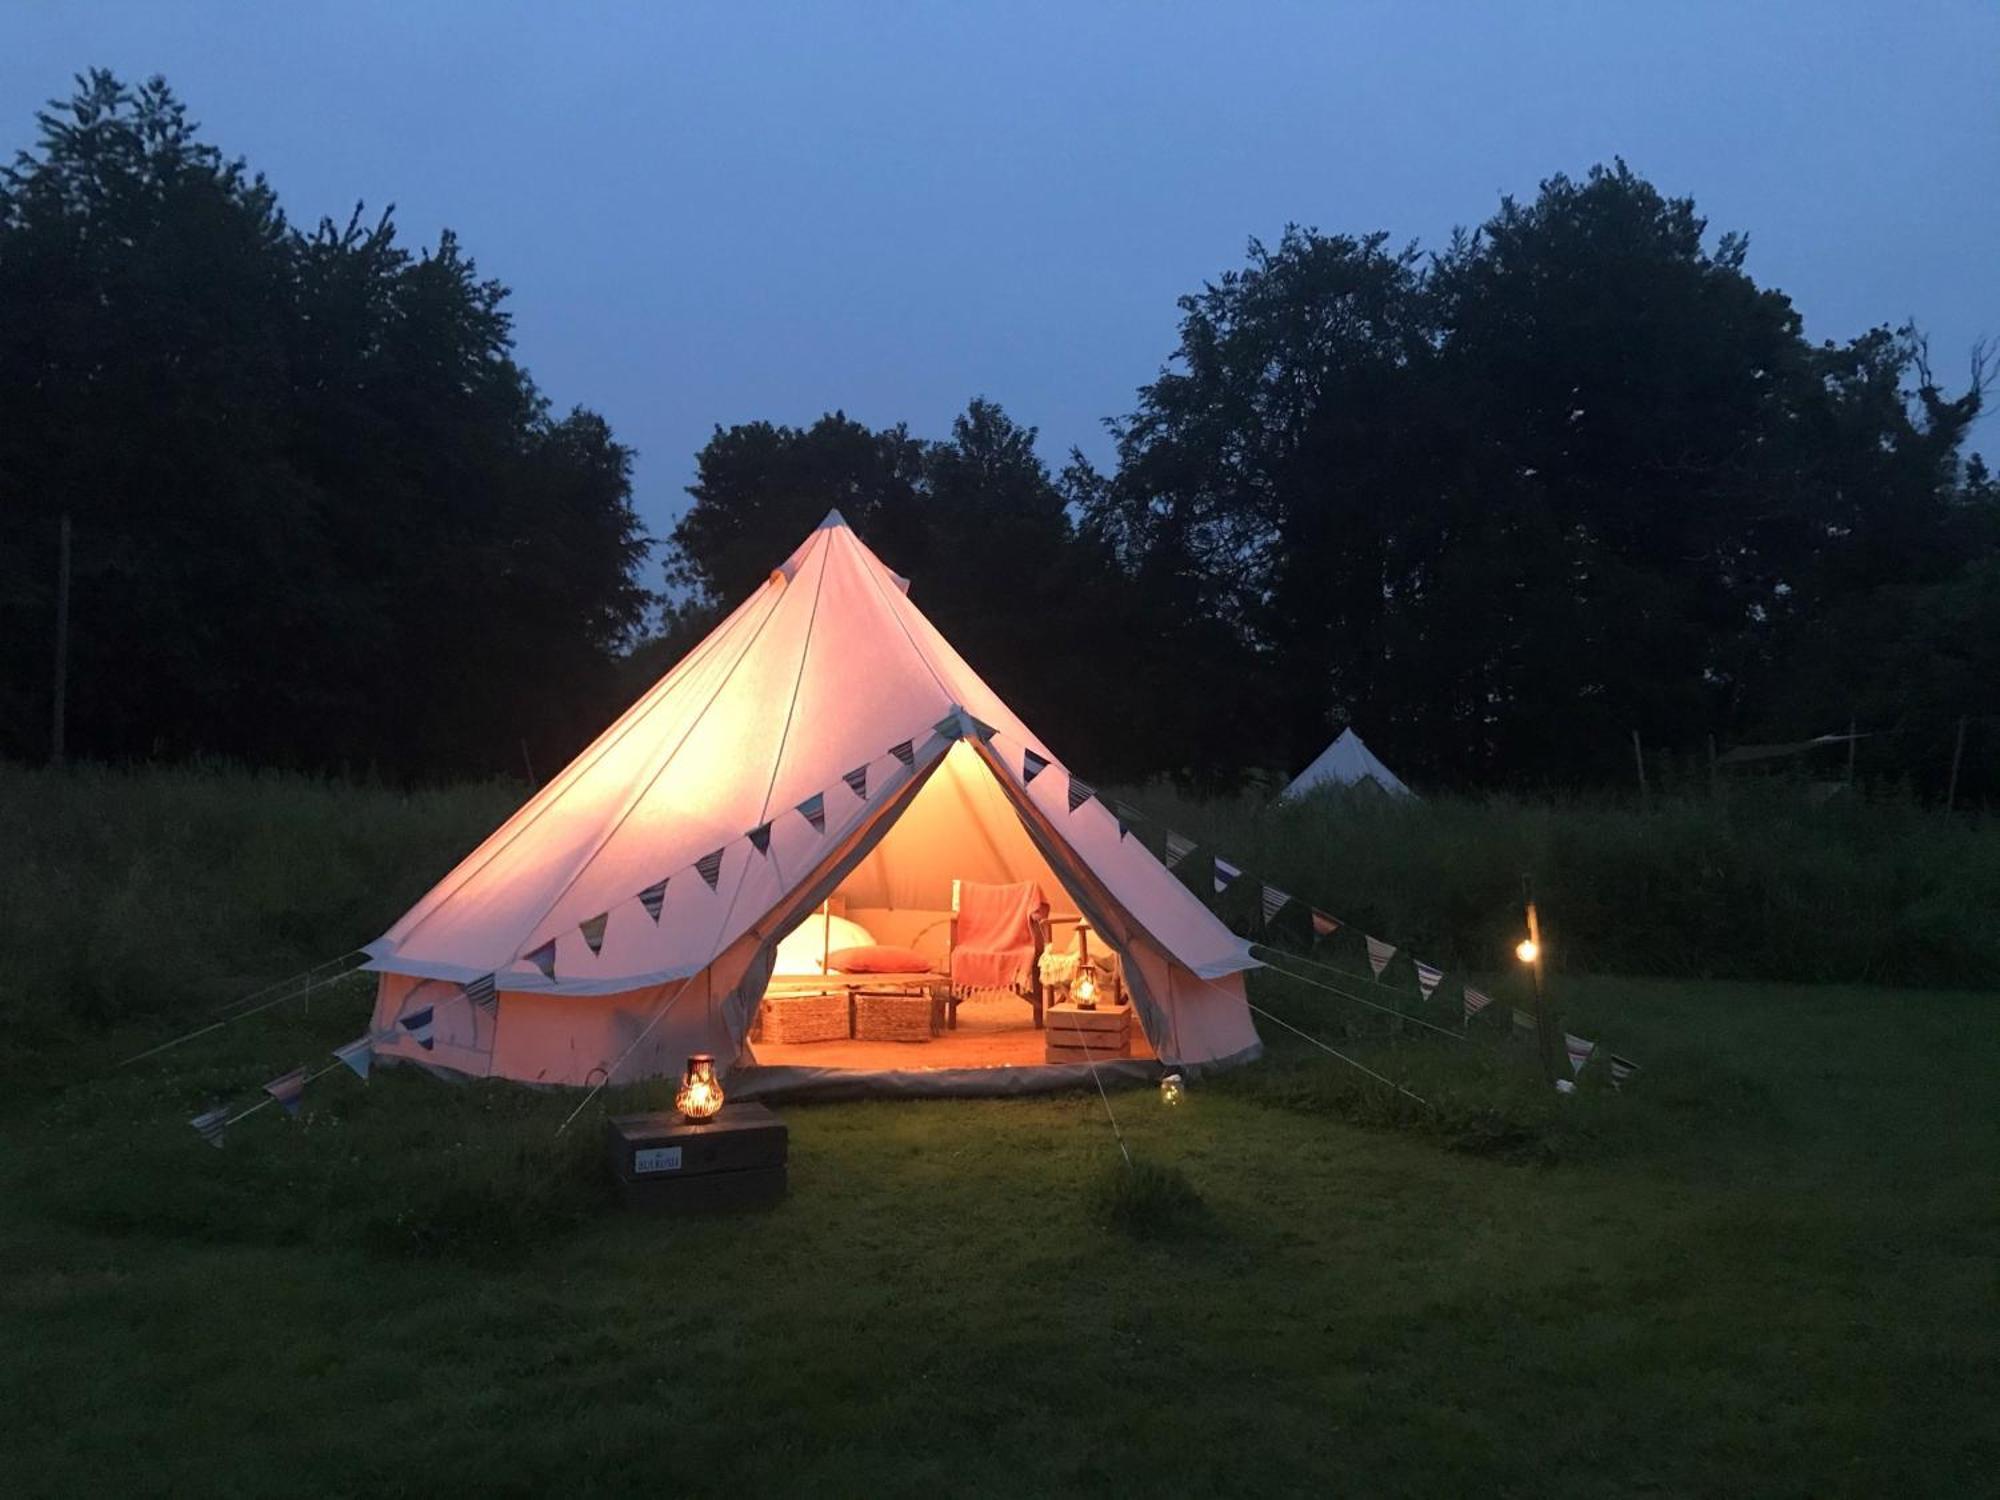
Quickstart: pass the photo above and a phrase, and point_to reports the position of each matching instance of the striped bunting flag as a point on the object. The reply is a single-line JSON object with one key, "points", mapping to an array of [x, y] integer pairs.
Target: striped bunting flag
{"points": [[857, 781], [709, 868], [813, 810], [210, 1125], [592, 929], [1523, 1021], [357, 1054], [1427, 977], [1032, 765], [1274, 902], [654, 899], [1178, 849], [1225, 875], [760, 838], [906, 752], [418, 1024], [1079, 793], [1379, 954], [544, 957], [1475, 1001], [1580, 1051], [1622, 1068], [289, 1090], [1127, 815], [484, 992], [1323, 925], [983, 729]]}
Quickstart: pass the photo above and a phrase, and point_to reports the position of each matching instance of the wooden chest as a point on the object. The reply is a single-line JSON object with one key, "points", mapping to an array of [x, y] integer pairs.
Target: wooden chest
{"points": [[803, 1018], [897, 1015], [1077, 1035], [736, 1160]]}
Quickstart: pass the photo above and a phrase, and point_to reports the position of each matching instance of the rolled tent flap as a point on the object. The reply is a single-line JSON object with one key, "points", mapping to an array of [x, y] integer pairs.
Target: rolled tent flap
{"points": [[593, 907]]}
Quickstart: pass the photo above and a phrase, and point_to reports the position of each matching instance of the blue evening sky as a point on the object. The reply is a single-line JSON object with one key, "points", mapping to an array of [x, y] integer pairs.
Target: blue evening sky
{"points": [[719, 213]]}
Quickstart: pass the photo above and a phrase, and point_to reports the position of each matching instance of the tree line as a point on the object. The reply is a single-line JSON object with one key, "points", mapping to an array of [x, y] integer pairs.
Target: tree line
{"points": [[1571, 475]]}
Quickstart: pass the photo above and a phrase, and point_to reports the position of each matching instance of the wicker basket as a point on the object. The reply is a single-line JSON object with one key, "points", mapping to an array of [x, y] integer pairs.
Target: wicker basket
{"points": [[804, 1018], [897, 1015]]}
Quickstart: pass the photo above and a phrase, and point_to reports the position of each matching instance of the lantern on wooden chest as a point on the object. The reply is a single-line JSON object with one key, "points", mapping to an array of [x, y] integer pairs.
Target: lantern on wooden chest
{"points": [[700, 1093], [1084, 991]]}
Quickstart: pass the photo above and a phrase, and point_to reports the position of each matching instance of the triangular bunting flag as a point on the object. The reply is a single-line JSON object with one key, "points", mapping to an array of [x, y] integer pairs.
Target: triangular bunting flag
{"points": [[950, 727], [983, 729], [1178, 849], [1622, 1068], [592, 929], [1032, 765], [1523, 1021], [418, 1024], [357, 1055], [857, 781], [289, 1091], [906, 752], [654, 899], [1475, 1001], [484, 993], [1274, 902], [210, 1125], [544, 957], [1323, 925], [1127, 815], [760, 838], [1579, 1051], [1079, 793], [813, 810], [1379, 954], [1225, 875], [709, 868], [1427, 977]]}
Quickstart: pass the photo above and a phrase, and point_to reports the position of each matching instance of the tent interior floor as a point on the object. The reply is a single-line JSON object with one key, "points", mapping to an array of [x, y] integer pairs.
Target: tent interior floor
{"points": [[994, 1031]]}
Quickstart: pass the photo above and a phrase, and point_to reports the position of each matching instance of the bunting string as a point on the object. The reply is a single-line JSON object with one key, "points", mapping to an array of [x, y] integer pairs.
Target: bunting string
{"points": [[242, 1015], [1457, 1036], [1339, 1054]]}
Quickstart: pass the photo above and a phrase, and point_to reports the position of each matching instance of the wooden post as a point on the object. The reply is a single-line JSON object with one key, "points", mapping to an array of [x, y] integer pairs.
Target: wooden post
{"points": [[58, 712], [1957, 754], [1547, 1035], [1639, 759]]}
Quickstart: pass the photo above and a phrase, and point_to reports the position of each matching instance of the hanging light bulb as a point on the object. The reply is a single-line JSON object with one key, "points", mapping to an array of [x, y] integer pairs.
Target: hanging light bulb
{"points": [[1528, 950]]}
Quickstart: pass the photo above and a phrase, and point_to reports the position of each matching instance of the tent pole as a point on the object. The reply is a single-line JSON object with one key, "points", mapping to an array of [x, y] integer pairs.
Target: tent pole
{"points": [[1545, 1019]]}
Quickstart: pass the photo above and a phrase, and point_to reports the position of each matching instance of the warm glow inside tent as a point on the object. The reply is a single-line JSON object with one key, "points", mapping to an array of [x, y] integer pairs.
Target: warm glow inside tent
{"points": [[1346, 762], [764, 859]]}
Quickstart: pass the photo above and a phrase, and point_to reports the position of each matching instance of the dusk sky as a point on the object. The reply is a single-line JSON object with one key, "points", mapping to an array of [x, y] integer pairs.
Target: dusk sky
{"points": [[716, 214]]}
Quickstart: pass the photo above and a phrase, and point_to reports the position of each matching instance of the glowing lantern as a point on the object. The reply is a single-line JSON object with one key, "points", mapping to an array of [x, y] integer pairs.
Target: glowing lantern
{"points": [[1171, 1089], [1084, 991], [1528, 950], [700, 1093]]}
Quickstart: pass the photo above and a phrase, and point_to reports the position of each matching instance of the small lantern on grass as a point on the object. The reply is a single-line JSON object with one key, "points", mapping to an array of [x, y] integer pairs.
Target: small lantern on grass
{"points": [[700, 1094], [1172, 1090]]}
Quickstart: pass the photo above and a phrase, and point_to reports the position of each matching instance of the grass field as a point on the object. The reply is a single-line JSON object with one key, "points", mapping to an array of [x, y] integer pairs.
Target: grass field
{"points": [[1768, 1266]]}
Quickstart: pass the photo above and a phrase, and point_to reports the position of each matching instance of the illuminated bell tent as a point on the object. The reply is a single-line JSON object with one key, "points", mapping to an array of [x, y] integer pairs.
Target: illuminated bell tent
{"points": [[824, 851], [1346, 762]]}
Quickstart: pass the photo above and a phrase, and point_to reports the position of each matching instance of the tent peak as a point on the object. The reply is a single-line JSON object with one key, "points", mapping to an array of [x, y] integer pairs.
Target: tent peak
{"points": [[833, 519]]}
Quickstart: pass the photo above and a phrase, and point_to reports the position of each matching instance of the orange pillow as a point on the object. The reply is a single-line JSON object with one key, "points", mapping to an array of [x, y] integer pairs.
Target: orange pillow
{"points": [[877, 958]]}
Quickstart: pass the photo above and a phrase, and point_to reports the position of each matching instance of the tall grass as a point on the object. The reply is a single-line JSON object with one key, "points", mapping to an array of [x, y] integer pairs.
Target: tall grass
{"points": [[1756, 883], [127, 894]]}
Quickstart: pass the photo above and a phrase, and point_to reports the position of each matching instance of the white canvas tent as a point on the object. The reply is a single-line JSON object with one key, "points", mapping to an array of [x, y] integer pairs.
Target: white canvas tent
{"points": [[823, 737], [1346, 762]]}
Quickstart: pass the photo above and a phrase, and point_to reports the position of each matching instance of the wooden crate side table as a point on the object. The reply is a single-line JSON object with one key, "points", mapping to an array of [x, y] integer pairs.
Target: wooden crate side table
{"points": [[897, 1015], [736, 1160], [1078, 1035]]}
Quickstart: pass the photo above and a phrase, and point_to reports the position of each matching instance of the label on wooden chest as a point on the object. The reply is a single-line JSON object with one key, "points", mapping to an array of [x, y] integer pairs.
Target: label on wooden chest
{"points": [[656, 1159]]}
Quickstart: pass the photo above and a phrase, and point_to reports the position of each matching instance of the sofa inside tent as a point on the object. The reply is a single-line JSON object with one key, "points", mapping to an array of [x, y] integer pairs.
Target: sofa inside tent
{"points": [[822, 850]]}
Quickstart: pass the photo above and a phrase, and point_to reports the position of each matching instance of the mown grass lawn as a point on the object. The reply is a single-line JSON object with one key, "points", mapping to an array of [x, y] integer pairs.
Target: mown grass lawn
{"points": [[1768, 1266]]}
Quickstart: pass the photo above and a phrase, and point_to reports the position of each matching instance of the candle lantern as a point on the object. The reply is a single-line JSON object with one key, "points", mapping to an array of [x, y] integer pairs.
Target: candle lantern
{"points": [[1084, 991], [700, 1094]]}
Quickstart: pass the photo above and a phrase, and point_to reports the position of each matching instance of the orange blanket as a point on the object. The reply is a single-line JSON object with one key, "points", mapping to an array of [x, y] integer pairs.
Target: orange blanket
{"points": [[995, 949]]}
